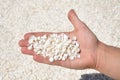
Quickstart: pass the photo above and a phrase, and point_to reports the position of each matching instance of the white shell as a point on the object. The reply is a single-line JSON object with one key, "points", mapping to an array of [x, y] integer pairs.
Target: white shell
{"points": [[65, 55], [35, 44], [74, 38], [47, 43], [51, 59], [39, 52], [44, 36], [63, 58], [65, 37], [77, 45], [30, 47], [38, 38], [55, 57], [31, 39], [72, 58]]}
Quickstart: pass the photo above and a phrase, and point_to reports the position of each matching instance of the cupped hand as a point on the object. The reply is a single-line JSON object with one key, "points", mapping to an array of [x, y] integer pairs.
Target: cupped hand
{"points": [[85, 37]]}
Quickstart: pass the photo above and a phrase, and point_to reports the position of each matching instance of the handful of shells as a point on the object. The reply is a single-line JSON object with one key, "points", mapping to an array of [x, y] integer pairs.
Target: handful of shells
{"points": [[54, 46]]}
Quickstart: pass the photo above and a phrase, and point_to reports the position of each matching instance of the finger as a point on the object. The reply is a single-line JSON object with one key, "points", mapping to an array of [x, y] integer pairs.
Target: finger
{"points": [[27, 35], [38, 58], [24, 50], [45, 60], [72, 16], [23, 43]]}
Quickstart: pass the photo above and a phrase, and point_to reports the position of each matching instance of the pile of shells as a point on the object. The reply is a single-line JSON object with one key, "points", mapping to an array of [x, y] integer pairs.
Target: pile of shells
{"points": [[54, 46]]}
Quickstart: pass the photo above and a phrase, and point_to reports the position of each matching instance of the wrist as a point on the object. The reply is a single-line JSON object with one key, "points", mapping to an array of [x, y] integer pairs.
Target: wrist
{"points": [[100, 55], [107, 60]]}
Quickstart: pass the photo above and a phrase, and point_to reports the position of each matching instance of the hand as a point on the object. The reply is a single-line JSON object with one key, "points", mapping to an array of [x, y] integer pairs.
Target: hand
{"points": [[87, 40]]}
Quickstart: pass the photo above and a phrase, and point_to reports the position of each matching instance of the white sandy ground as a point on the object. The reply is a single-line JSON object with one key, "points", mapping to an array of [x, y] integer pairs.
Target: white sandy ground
{"points": [[18, 17]]}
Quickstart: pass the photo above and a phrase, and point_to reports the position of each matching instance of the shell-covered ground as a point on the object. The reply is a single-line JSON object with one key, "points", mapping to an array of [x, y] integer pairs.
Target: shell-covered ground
{"points": [[18, 17]]}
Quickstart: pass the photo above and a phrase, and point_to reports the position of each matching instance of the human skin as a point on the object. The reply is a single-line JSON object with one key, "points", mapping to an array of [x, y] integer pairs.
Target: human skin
{"points": [[94, 53]]}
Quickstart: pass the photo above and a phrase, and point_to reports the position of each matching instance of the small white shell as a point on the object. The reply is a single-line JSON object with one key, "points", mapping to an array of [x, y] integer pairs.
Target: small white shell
{"points": [[74, 38], [30, 47], [65, 55], [69, 41], [35, 50], [47, 43], [56, 53], [39, 52], [77, 45], [51, 59], [71, 58], [55, 57], [60, 57], [38, 38], [44, 36], [35, 44], [31, 39], [63, 58], [65, 37]]}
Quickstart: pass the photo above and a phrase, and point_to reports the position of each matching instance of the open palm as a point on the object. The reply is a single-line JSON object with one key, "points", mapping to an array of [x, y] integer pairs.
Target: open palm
{"points": [[88, 45]]}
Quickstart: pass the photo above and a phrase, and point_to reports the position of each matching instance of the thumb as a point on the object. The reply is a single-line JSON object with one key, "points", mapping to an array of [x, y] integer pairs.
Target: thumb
{"points": [[77, 23]]}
